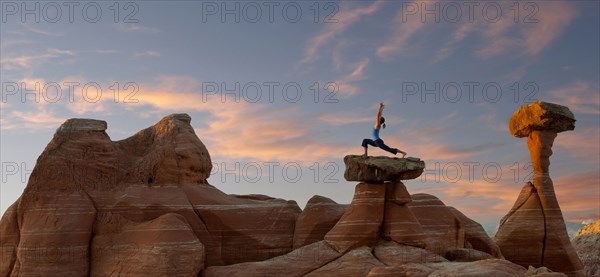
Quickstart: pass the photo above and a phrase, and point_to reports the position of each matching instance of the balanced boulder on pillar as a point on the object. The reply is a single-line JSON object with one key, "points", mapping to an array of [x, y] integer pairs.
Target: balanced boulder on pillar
{"points": [[381, 169], [537, 205]]}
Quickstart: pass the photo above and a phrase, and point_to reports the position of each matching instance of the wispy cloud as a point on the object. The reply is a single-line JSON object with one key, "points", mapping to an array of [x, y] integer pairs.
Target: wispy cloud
{"points": [[136, 28], [582, 97], [347, 86], [578, 194], [552, 18], [403, 32], [105, 52], [149, 53], [253, 130], [581, 143], [28, 61], [57, 52], [38, 31], [450, 47], [15, 42], [347, 17], [344, 118], [497, 38], [39, 118]]}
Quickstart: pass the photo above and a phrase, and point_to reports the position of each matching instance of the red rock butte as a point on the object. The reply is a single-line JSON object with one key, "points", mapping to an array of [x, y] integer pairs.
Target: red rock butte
{"points": [[143, 206]]}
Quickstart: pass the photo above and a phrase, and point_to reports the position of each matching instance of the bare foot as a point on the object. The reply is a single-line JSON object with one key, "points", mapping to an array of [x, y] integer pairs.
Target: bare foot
{"points": [[403, 155]]}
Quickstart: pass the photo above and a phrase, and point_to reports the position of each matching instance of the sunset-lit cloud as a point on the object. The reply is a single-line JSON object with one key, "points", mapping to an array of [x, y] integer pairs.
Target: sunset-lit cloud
{"points": [[41, 118], [553, 18], [347, 17], [579, 195], [547, 24], [580, 97], [458, 36], [242, 130], [14, 42], [344, 118], [346, 83], [403, 31], [40, 31], [581, 143], [28, 61], [136, 28], [149, 53]]}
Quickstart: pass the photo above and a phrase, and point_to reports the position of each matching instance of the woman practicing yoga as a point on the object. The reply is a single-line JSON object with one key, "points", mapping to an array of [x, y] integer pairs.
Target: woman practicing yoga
{"points": [[378, 142]]}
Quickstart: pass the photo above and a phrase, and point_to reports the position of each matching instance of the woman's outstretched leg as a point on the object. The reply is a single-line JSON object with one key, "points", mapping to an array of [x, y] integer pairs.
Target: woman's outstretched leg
{"points": [[383, 146]]}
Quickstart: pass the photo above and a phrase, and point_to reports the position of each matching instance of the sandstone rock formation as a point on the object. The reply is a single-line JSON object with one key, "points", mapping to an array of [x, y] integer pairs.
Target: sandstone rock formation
{"points": [[317, 218], [299, 262], [143, 207], [374, 235], [394, 254], [137, 206], [587, 245], [488, 267], [357, 262], [361, 223], [446, 227], [164, 246], [399, 222], [466, 255], [381, 169], [533, 232]]}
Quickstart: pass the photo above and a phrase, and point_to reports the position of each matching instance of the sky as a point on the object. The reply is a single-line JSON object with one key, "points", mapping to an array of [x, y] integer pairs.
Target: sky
{"points": [[280, 92]]}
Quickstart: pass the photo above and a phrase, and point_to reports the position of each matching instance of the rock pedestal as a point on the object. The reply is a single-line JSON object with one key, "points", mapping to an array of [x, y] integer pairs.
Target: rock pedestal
{"points": [[534, 232], [379, 205], [382, 208], [399, 222], [361, 223]]}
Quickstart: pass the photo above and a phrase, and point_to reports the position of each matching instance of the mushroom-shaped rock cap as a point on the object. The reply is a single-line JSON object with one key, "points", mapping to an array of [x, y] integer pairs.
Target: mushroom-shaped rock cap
{"points": [[540, 116], [381, 169]]}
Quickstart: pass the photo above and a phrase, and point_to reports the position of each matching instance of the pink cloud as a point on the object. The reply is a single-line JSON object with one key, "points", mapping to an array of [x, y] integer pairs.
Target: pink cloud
{"points": [[347, 17], [458, 36], [579, 195], [346, 86], [242, 130], [554, 17], [582, 143], [403, 31], [551, 17], [41, 118], [344, 118], [29, 61], [581, 97]]}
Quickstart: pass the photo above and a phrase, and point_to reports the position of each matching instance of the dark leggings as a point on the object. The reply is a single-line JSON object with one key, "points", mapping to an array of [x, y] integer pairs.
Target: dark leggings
{"points": [[379, 143]]}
